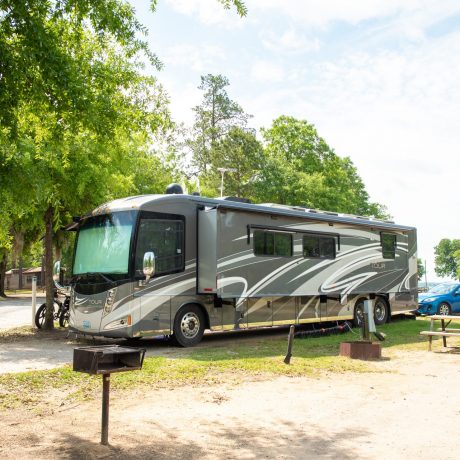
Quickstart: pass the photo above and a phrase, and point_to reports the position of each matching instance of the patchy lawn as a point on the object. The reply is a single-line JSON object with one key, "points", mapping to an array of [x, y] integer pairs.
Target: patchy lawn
{"points": [[235, 361]]}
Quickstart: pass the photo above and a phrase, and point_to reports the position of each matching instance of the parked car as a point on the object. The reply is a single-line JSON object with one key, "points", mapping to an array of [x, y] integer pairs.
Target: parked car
{"points": [[442, 299]]}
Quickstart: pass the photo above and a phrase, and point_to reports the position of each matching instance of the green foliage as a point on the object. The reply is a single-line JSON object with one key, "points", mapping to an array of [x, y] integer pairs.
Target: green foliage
{"points": [[239, 5], [420, 269], [241, 152], [301, 169], [75, 111], [214, 118], [447, 258], [81, 113]]}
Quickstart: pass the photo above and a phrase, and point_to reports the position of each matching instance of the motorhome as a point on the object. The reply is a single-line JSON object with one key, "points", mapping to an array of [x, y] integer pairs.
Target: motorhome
{"points": [[179, 264]]}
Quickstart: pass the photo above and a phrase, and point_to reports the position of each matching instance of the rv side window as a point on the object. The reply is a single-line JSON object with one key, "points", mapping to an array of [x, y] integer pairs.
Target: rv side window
{"points": [[321, 247], [166, 239], [272, 244], [388, 242]]}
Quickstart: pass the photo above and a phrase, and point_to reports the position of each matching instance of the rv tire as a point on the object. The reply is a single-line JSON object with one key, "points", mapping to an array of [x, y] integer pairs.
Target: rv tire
{"points": [[381, 311], [189, 324], [358, 313]]}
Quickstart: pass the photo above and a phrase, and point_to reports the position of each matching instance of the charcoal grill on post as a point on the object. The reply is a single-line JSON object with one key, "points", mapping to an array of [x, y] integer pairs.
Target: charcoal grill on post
{"points": [[104, 360]]}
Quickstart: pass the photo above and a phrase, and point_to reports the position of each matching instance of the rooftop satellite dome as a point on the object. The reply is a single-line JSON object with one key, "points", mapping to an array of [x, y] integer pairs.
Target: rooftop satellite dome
{"points": [[174, 189]]}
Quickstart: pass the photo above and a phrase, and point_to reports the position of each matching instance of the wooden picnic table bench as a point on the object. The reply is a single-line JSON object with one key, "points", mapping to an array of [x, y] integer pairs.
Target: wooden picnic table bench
{"points": [[443, 331]]}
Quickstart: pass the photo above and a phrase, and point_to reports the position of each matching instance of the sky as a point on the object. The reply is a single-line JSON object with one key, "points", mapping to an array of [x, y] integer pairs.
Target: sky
{"points": [[380, 80]]}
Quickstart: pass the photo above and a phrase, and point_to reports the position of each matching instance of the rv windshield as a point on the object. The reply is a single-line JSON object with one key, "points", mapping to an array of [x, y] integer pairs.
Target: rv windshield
{"points": [[103, 244]]}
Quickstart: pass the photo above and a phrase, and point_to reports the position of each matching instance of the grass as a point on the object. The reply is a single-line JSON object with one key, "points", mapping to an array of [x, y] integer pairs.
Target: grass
{"points": [[258, 358]]}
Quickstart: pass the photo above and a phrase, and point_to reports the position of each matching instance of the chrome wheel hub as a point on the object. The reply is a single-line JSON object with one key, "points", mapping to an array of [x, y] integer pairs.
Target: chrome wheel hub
{"points": [[379, 312], [190, 325]]}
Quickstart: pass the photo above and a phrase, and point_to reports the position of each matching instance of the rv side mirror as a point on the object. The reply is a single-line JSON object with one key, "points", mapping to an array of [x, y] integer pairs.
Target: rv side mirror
{"points": [[148, 266], [56, 270]]}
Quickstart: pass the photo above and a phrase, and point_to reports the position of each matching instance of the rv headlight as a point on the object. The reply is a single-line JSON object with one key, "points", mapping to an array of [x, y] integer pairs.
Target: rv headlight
{"points": [[109, 300], [119, 323]]}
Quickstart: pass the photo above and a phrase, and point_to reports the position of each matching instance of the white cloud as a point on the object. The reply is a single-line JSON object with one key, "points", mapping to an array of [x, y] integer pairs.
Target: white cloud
{"points": [[390, 100], [201, 58], [289, 41], [321, 13], [266, 71], [209, 12], [183, 97], [396, 115]]}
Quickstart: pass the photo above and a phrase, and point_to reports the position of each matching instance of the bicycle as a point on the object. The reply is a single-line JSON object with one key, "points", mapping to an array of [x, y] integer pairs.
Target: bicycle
{"points": [[61, 311]]}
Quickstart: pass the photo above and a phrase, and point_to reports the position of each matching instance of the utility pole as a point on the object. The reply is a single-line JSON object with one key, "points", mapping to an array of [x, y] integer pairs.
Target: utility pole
{"points": [[222, 172]]}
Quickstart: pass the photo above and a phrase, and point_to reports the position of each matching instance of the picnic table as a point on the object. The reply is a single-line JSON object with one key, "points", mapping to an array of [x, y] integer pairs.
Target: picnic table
{"points": [[444, 331]]}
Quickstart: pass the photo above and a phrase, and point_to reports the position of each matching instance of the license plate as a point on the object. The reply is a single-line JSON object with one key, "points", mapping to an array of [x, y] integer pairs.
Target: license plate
{"points": [[86, 325]]}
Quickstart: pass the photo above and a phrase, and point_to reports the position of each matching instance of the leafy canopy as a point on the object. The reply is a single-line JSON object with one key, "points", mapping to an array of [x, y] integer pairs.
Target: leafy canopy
{"points": [[301, 169], [447, 258]]}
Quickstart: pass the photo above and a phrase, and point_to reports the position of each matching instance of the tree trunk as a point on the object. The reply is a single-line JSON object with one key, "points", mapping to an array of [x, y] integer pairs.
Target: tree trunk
{"points": [[49, 284], [2, 273], [20, 272]]}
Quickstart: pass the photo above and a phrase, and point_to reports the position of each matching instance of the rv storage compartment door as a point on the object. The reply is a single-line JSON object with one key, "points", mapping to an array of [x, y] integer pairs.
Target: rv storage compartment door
{"points": [[207, 251]]}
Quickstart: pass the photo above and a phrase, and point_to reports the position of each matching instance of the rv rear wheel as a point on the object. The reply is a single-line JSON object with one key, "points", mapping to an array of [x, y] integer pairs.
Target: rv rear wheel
{"points": [[380, 311], [188, 326], [359, 313]]}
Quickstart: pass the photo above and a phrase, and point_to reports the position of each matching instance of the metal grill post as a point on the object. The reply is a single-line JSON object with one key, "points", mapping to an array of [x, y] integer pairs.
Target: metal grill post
{"points": [[105, 409]]}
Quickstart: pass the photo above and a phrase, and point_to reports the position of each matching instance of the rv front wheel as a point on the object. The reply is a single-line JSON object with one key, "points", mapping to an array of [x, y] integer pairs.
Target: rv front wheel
{"points": [[188, 326]]}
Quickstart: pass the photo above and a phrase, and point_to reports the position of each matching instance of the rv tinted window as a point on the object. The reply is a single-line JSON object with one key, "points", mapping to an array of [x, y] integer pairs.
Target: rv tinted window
{"points": [[272, 244], [321, 247], [166, 239], [388, 242]]}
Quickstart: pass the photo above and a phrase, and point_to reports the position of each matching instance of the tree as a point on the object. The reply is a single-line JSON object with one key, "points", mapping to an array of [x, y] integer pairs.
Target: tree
{"points": [[301, 169], [242, 153], [420, 269], [71, 93], [446, 260], [457, 260], [214, 118]]}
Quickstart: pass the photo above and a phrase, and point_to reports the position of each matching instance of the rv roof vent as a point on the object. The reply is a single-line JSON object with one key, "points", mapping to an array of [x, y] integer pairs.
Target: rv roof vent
{"points": [[174, 189], [362, 217], [389, 221], [329, 213], [237, 199]]}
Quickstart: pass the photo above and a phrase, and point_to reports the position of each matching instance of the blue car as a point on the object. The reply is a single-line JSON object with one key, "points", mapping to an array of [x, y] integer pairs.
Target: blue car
{"points": [[442, 299]]}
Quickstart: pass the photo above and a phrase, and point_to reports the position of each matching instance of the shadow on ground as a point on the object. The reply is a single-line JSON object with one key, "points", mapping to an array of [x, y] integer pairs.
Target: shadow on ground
{"points": [[226, 441]]}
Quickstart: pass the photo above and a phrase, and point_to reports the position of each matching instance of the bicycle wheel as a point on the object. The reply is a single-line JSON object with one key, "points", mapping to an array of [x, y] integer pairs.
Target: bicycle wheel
{"points": [[40, 316]]}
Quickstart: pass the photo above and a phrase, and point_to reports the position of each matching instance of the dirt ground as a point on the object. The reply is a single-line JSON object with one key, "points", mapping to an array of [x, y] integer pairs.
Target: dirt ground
{"points": [[409, 410]]}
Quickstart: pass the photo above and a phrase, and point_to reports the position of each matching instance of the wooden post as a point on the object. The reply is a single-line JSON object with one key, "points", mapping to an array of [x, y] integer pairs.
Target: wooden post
{"points": [[105, 409], [287, 359], [443, 328]]}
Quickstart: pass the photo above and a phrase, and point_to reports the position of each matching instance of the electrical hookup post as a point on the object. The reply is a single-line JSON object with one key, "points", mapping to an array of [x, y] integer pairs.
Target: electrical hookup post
{"points": [[365, 348], [34, 299]]}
